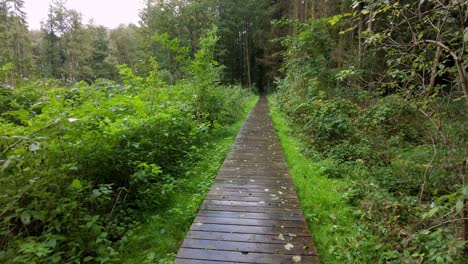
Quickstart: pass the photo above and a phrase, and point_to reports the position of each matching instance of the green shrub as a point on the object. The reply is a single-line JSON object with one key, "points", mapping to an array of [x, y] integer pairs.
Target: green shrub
{"points": [[79, 165], [393, 116]]}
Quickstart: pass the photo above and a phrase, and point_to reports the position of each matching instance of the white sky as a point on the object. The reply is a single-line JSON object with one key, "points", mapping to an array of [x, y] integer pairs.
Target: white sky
{"points": [[109, 13]]}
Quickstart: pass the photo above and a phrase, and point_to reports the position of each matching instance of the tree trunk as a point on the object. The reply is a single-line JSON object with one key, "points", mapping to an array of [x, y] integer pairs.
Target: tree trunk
{"points": [[360, 42], [247, 58], [434, 68], [458, 64]]}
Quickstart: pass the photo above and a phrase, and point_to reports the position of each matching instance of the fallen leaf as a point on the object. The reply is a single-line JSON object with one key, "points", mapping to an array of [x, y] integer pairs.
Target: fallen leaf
{"points": [[198, 224], [297, 259], [281, 237], [289, 246]]}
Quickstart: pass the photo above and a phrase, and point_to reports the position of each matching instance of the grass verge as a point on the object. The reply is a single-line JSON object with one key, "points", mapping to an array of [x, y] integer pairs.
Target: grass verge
{"points": [[158, 237], [332, 221]]}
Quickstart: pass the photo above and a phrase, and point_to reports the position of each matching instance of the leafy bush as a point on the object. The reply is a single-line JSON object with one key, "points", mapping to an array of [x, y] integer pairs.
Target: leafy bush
{"points": [[404, 154], [78, 165]]}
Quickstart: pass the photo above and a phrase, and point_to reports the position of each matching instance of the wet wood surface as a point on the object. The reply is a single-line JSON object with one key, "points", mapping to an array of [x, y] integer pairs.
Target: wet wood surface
{"points": [[252, 213]]}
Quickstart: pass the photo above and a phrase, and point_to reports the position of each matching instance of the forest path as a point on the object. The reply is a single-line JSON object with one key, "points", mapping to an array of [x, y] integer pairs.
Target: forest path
{"points": [[252, 213]]}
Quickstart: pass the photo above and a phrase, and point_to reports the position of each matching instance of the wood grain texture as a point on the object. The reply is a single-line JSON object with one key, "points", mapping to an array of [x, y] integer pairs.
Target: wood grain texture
{"points": [[252, 213]]}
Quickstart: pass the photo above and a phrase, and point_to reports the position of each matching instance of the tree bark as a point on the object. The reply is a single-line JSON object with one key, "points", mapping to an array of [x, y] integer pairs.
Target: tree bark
{"points": [[360, 42], [369, 22], [248, 58], [458, 64], [434, 68]]}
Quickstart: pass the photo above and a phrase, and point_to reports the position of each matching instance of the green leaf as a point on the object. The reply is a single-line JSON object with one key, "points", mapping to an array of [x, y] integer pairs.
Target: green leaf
{"points": [[465, 35], [431, 212], [459, 206], [25, 218], [88, 259], [335, 19], [76, 184], [5, 166]]}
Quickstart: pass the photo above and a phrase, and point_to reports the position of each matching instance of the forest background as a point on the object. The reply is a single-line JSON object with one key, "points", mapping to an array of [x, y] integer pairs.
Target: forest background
{"points": [[101, 125]]}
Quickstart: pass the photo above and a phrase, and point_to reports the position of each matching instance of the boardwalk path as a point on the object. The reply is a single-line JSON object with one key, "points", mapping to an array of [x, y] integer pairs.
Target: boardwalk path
{"points": [[251, 214]]}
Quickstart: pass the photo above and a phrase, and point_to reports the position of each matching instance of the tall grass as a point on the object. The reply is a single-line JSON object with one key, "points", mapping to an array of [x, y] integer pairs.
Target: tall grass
{"points": [[160, 235], [332, 221]]}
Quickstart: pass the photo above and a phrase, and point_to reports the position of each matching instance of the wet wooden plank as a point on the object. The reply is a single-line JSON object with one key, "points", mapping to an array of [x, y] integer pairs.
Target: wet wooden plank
{"points": [[251, 213], [251, 180], [250, 222], [243, 257], [240, 229], [267, 176], [250, 194], [200, 261], [264, 189], [287, 248], [247, 215], [249, 198], [264, 204], [250, 209], [250, 238]]}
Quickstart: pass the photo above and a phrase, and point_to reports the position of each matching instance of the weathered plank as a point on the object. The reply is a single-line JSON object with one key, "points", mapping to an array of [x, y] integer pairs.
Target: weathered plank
{"points": [[291, 249], [247, 215], [240, 229], [252, 213], [251, 238], [251, 209], [249, 222], [243, 257], [249, 198]]}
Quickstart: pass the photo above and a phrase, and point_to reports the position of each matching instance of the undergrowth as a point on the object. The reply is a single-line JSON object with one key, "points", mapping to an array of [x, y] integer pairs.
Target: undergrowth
{"points": [[158, 238], [400, 158], [79, 165], [332, 221]]}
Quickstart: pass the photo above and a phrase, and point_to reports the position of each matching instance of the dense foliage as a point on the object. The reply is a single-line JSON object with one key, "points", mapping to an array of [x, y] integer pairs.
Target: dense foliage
{"points": [[80, 164], [383, 107], [99, 125]]}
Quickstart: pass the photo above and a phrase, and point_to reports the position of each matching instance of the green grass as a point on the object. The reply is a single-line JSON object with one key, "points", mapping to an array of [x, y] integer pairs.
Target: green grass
{"points": [[332, 221], [158, 238]]}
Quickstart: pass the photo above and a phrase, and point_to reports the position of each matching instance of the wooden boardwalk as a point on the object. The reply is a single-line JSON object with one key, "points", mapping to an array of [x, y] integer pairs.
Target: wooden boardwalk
{"points": [[251, 214]]}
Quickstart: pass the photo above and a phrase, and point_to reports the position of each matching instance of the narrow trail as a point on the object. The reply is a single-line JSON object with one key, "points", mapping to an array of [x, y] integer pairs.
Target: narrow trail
{"points": [[252, 213]]}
